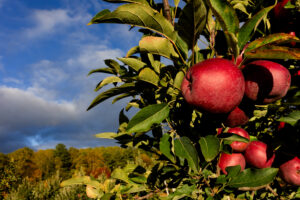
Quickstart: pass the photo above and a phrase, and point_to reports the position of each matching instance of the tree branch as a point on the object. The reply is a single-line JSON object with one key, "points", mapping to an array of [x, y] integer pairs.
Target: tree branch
{"points": [[167, 12]]}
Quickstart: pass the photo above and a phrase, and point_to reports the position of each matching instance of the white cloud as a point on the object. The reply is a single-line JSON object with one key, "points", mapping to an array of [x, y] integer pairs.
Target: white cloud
{"points": [[51, 21], [12, 80]]}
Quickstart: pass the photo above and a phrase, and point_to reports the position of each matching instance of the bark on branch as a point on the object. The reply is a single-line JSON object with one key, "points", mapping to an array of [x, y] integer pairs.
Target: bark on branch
{"points": [[167, 12]]}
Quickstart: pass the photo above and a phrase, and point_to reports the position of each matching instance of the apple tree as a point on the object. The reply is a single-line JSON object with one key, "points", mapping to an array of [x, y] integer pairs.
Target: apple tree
{"points": [[216, 84]]}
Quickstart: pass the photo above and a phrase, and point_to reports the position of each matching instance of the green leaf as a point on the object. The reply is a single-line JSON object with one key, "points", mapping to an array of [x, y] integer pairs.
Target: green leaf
{"points": [[148, 75], [253, 177], [120, 174], [147, 117], [276, 38], [292, 118], [165, 147], [108, 80], [210, 147], [102, 70], [132, 51], [85, 180], [178, 79], [232, 137], [133, 63], [112, 92], [184, 149], [191, 21], [128, 1], [228, 20], [244, 34], [146, 17], [225, 14], [106, 135], [274, 52], [233, 171], [158, 45]]}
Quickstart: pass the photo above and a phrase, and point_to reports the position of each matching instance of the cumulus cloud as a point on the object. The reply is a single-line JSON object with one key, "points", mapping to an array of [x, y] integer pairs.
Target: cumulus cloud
{"points": [[51, 21]]}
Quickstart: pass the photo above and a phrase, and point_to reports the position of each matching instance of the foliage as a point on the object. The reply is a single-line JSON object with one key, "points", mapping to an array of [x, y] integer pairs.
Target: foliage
{"points": [[184, 139]]}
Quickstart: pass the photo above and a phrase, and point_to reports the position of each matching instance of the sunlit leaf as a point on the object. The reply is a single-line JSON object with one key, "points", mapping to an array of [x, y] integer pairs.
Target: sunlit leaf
{"points": [[112, 92], [274, 52], [108, 80], [148, 75], [133, 63], [291, 118], [244, 34], [158, 45], [106, 135], [147, 117], [276, 38]]}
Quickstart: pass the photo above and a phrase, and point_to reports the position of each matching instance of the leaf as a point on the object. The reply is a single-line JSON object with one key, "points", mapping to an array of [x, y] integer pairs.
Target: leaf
{"points": [[210, 147], [225, 14], [244, 34], [146, 17], [102, 70], [158, 45], [232, 137], [274, 52], [128, 1], [108, 80], [147, 117], [132, 51], [276, 38], [148, 75], [253, 177], [133, 63], [292, 118], [112, 92], [178, 79], [191, 21], [120, 174], [165, 147], [106, 135], [86, 180], [184, 149]]}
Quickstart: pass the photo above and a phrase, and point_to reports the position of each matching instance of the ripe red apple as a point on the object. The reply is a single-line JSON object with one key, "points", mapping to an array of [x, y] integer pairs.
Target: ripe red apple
{"points": [[290, 171], [279, 10], [237, 117], [266, 81], [256, 155], [215, 86], [239, 146], [228, 160], [293, 34]]}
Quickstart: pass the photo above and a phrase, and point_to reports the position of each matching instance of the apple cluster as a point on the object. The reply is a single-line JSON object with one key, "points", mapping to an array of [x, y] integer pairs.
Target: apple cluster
{"points": [[217, 86]]}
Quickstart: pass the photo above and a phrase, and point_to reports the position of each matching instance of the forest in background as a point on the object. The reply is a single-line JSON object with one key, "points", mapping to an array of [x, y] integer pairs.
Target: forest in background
{"points": [[29, 174]]}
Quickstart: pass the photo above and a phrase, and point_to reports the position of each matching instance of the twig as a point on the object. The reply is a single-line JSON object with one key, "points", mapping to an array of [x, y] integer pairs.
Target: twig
{"points": [[167, 13]]}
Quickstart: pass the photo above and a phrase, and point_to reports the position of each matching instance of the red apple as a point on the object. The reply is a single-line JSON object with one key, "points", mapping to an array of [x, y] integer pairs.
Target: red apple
{"points": [[266, 81], [237, 117], [239, 146], [215, 86], [293, 34], [279, 10], [256, 155], [228, 160], [290, 171]]}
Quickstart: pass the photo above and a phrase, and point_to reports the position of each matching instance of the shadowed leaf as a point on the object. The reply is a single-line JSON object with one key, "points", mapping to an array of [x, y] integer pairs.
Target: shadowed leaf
{"points": [[274, 52]]}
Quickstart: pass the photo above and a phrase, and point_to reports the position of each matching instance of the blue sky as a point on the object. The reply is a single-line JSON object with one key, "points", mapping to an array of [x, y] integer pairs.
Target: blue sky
{"points": [[46, 51]]}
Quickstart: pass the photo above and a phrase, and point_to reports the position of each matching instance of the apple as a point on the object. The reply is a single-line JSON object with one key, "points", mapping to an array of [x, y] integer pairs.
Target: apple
{"points": [[266, 81], [279, 10], [228, 160], [236, 145], [215, 86], [293, 34], [256, 155], [237, 117], [290, 171]]}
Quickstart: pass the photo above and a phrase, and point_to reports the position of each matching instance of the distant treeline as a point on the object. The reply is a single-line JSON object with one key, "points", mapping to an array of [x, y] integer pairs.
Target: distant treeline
{"points": [[62, 163]]}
